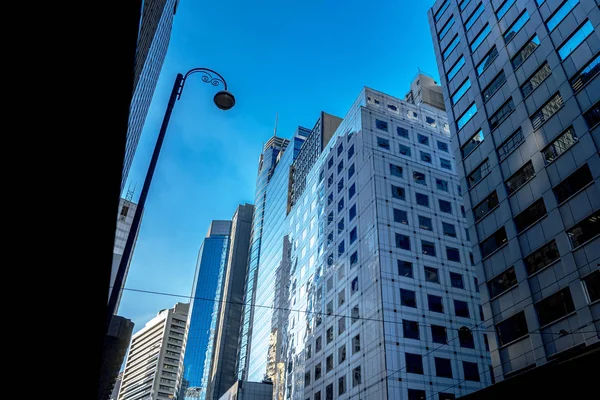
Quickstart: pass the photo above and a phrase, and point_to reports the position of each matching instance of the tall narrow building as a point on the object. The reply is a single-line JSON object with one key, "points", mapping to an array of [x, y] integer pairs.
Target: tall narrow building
{"points": [[522, 92], [154, 363], [269, 158], [153, 41], [208, 284], [224, 350]]}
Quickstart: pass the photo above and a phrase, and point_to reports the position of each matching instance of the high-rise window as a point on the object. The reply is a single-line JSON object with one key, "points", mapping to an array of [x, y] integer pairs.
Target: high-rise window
{"points": [[414, 363], [575, 40], [493, 86], [530, 215], [435, 303], [493, 242], [446, 164], [502, 282], [466, 116], [441, 184], [483, 208], [425, 157], [487, 60], [383, 143], [558, 146], [478, 174], [446, 28], [471, 371], [443, 367], [586, 74], [329, 363], [573, 184], [381, 125], [516, 26], [356, 377], [473, 17], [425, 223], [431, 274], [519, 178], [456, 280], [405, 269], [410, 329], [402, 242], [428, 248], [472, 143], [396, 170], [541, 258], [439, 334], [398, 192], [585, 230], [455, 68], [404, 150], [560, 14], [592, 286], [480, 37], [555, 306], [448, 229], [460, 92], [512, 328], [400, 216], [419, 178], [452, 254], [416, 394], [408, 298], [441, 10], [465, 338], [341, 385], [463, 4], [504, 8], [355, 344], [546, 111], [592, 116], [461, 308], [510, 144], [402, 132], [422, 199], [501, 114], [525, 52], [536, 79], [448, 50], [445, 206], [423, 139]]}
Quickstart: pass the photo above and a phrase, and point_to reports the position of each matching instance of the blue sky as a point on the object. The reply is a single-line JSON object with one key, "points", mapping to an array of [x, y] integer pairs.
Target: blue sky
{"points": [[292, 57]]}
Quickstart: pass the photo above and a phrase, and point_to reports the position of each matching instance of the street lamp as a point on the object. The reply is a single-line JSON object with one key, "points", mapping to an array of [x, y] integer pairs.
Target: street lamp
{"points": [[223, 100]]}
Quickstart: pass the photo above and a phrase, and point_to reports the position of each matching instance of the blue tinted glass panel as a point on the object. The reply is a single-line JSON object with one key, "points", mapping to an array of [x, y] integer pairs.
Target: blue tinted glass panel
{"points": [[466, 117], [540, 2], [479, 39], [580, 35], [464, 4], [516, 27], [440, 12], [560, 14], [454, 70], [451, 47], [504, 8], [446, 28], [461, 91], [478, 11], [487, 60]]}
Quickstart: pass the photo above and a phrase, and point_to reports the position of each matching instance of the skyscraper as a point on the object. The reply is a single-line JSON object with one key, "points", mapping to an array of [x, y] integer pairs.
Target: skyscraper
{"points": [[124, 220], [222, 372], [521, 88], [208, 283], [153, 41], [154, 363], [268, 159]]}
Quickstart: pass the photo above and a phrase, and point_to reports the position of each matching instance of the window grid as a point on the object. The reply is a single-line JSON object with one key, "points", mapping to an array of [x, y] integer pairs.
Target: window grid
{"points": [[558, 146], [516, 26], [510, 144], [546, 111], [575, 40]]}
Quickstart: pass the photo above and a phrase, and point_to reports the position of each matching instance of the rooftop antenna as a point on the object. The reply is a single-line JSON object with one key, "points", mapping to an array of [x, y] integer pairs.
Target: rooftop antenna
{"points": [[276, 118]]}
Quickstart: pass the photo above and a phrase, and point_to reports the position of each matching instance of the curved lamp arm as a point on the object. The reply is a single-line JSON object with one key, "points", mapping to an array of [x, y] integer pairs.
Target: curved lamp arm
{"points": [[208, 76]]}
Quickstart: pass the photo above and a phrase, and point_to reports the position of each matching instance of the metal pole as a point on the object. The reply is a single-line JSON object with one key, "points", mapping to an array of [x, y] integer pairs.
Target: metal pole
{"points": [[117, 287]]}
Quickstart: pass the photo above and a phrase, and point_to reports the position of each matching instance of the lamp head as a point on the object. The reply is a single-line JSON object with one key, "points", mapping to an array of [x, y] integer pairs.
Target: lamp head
{"points": [[224, 100]]}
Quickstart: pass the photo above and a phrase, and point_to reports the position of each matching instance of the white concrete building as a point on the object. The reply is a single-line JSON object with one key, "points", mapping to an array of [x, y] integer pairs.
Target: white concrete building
{"points": [[381, 276], [154, 363]]}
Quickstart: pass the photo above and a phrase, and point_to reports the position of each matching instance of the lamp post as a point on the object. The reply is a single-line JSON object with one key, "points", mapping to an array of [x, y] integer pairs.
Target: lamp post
{"points": [[223, 100]]}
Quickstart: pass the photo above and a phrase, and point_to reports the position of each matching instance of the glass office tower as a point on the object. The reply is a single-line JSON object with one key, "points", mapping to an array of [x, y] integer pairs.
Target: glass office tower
{"points": [[208, 282], [521, 87]]}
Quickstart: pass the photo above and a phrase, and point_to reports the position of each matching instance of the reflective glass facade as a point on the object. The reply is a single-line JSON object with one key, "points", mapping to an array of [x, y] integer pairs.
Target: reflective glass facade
{"points": [[208, 281], [520, 200], [153, 41]]}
